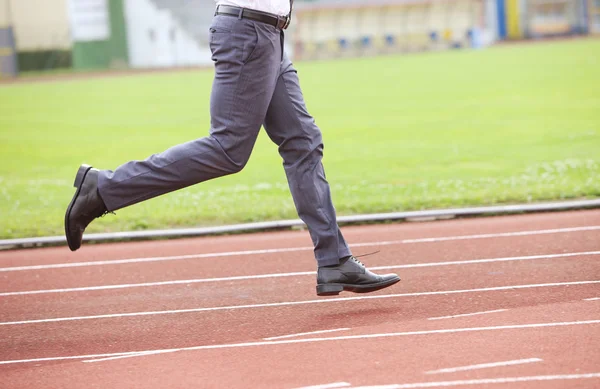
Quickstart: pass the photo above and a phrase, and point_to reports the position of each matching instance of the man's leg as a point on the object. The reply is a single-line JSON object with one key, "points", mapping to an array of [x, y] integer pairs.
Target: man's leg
{"points": [[247, 58], [291, 127]]}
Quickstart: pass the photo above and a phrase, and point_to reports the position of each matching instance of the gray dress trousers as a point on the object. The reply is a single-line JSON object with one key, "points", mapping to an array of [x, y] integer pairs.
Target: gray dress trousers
{"points": [[255, 84]]}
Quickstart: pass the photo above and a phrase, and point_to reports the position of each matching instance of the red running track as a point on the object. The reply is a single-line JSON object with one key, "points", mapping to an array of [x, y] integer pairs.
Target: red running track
{"points": [[507, 302]]}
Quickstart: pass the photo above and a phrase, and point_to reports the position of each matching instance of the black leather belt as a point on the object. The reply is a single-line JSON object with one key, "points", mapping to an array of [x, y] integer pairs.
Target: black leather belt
{"points": [[281, 22]]}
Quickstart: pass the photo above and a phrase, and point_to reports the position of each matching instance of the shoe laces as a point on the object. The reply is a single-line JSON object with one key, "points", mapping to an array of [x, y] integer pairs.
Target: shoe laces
{"points": [[364, 255]]}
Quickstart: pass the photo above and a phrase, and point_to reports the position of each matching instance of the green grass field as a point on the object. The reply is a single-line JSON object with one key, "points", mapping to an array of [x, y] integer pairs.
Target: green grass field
{"points": [[515, 123]]}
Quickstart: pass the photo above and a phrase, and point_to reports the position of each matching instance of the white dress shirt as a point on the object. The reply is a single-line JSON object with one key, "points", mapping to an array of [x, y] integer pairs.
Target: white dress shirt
{"points": [[276, 7]]}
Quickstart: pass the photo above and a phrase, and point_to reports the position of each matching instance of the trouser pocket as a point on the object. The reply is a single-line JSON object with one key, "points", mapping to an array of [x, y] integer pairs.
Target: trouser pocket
{"points": [[233, 40]]}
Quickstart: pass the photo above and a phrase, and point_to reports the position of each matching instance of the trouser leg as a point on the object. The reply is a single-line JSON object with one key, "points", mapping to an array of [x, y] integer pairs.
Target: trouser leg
{"points": [[291, 127], [247, 58]]}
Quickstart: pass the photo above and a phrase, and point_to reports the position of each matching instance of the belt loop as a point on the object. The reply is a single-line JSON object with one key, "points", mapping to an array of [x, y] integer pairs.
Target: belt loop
{"points": [[241, 13]]}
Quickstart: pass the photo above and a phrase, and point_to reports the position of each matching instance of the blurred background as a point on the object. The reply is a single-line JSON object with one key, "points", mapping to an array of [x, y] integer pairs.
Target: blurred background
{"points": [[40, 35], [423, 104]]}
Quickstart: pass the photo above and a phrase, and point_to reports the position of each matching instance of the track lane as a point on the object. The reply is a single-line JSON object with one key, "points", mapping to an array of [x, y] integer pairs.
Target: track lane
{"points": [[295, 288], [295, 261], [257, 241], [227, 326], [359, 361]]}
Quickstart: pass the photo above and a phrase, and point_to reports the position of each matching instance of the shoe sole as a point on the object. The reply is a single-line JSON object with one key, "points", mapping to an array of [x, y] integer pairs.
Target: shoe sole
{"points": [[335, 289], [79, 177]]}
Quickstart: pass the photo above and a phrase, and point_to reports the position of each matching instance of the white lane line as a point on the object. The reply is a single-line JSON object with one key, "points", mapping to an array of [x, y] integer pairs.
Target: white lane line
{"points": [[306, 333], [295, 274], [292, 303], [333, 385], [124, 355], [466, 314], [484, 381], [593, 299], [503, 234], [293, 249], [485, 365], [158, 283], [314, 340], [50, 359], [155, 259]]}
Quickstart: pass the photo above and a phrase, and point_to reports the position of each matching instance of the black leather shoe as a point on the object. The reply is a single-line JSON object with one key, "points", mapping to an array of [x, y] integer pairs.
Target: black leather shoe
{"points": [[85, 206], [352, 276]]}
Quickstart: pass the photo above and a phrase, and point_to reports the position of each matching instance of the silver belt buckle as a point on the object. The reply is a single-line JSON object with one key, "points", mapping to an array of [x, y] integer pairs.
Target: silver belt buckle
{"points": [[288, 19]]}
